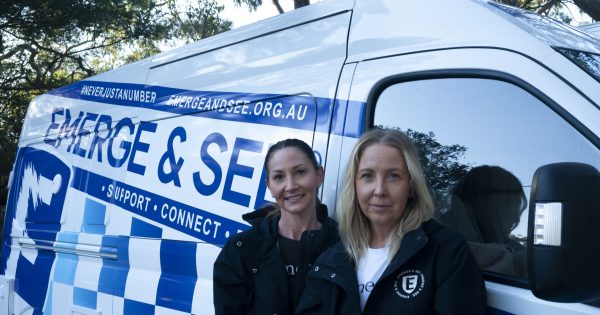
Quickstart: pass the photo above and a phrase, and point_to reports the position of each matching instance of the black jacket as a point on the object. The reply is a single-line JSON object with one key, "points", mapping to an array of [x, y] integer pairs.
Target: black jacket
{"points": [[249, 276], [433, 273]]}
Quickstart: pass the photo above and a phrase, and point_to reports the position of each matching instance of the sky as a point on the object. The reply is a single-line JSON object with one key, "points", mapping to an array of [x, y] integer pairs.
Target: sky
{"points": [[241, 16]]}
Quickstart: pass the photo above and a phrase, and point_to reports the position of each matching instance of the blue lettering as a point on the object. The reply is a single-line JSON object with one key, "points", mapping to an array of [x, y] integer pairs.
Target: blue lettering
{"points": [[239, 170], [98, 141], [262, 190], [140, 146], [169, 158], [82, 133], [210, 189], [66, 128], [54, 125], [125, 145]]}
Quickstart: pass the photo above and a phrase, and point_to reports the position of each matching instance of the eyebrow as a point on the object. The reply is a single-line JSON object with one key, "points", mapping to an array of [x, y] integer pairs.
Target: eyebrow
{"points": [[301, 165], [370, 169]]}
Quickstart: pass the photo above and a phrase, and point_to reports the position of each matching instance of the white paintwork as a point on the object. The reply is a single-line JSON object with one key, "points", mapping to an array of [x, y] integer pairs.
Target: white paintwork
{"points": [[332, 54]]}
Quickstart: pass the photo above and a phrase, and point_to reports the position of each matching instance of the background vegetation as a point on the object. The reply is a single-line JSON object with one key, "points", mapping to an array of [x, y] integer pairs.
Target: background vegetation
{"points": [[51, 43]]}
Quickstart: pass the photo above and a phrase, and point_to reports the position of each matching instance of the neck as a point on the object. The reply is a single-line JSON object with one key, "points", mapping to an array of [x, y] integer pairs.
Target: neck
{"points": [[380, 236], [292, 225]]}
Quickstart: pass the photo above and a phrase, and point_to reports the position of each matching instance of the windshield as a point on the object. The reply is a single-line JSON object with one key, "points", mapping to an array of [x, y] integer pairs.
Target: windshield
{"points": [[589, 62], [550, 31]]}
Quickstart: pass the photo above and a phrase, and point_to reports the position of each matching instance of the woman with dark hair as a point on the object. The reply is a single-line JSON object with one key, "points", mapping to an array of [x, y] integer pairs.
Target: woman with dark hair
{"points": [[392, 258], [262, 270]]}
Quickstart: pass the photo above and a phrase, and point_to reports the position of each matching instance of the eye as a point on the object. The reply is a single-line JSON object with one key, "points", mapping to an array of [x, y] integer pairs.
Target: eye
{"points": [[276, 177], [365, 176], [394, 176], [300, 171]]}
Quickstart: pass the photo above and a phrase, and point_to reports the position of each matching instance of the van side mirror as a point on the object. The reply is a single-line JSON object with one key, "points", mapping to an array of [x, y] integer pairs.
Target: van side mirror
{"points": [[563, 241]]}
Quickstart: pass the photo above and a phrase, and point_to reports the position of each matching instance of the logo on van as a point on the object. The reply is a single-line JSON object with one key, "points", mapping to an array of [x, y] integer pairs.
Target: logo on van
{"points": [[409, 283], [35, 207]]}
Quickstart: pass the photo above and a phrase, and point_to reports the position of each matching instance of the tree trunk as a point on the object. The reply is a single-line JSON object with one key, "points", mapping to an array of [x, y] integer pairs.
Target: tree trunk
{"points": [[301, 3], [590, 7], [279, 8]]}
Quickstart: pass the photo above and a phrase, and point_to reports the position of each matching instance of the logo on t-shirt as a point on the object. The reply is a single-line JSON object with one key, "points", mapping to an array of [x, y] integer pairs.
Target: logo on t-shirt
{"points": [[409, 283]]}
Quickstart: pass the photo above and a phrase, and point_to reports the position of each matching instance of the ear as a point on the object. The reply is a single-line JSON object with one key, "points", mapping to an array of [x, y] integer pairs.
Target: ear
{"points": [[320, 176]]}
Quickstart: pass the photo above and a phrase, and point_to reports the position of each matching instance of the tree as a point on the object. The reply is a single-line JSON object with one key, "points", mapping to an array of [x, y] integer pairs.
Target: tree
{"points": [[558, 8], [554, 8], [47, 44], [441, 163], [253, 4]]}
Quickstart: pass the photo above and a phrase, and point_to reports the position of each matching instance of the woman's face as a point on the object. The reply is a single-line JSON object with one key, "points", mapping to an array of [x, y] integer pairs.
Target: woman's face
{"points": [[382, 185], [293, 180]]}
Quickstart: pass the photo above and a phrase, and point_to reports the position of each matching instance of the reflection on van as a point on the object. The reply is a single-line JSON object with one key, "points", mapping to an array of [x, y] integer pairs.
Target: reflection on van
{"points": [[486, 205]]}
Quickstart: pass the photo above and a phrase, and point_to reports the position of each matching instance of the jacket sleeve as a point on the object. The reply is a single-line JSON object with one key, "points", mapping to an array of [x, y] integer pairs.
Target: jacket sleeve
{"points": [[231, 283], [460, 287]]}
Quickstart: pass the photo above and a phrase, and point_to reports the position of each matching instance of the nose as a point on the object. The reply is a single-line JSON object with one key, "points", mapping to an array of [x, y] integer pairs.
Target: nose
{"points": [[290, 182], [379, 188]]}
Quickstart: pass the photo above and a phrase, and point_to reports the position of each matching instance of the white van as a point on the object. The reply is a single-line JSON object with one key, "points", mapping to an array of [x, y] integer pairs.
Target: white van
{"points": [[592, 28], [127, 184]]}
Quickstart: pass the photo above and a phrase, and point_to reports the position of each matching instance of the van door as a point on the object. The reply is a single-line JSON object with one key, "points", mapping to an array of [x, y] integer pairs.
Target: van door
{"points": [[484, 120], [57, 247]]}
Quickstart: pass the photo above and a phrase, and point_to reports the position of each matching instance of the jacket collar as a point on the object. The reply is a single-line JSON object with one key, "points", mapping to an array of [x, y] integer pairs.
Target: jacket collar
{"points": [[337, 259], [266, 219]]}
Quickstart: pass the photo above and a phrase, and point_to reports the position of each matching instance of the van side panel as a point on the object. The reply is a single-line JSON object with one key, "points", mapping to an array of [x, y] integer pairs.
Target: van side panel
{"points": [[126, 187]]}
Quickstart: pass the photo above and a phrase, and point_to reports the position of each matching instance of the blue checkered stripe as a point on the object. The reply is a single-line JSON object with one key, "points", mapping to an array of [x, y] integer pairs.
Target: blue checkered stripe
{"points": [[139, 274]]}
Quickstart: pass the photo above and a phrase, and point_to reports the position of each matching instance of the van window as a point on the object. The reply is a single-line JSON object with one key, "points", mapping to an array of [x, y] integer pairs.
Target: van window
{"points": [[481, 141]]}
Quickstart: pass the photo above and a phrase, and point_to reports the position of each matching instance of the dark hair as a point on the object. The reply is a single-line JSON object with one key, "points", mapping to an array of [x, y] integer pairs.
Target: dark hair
{"points": [[292, 143], [495, 199]]}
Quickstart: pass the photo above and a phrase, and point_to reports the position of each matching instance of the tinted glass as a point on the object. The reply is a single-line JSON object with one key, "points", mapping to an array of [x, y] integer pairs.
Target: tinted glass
{"points": [[587, 61], [480, 142]]}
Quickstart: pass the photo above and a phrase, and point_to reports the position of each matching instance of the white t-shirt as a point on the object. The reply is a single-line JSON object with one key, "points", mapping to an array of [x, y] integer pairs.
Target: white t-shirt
{"points": [[370, 268]]}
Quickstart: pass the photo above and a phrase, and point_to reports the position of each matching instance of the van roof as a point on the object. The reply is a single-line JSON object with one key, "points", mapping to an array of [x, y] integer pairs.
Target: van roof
{"points": [[456, 24], [415, 26], [279, 22], [592, 28]]}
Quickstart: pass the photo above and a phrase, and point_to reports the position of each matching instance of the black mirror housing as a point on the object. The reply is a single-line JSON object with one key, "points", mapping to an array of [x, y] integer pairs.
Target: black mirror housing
{"points": [[563, 243]]}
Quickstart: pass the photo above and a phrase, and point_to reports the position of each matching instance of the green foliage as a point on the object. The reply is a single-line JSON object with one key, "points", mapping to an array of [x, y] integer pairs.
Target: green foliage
{"points": [[51, 43], [558, 9], [441, 163], [252, 4]]}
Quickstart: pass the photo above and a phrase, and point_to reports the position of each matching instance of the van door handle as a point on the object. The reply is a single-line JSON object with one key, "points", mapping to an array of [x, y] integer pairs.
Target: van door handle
{"points": [[80, 310]]}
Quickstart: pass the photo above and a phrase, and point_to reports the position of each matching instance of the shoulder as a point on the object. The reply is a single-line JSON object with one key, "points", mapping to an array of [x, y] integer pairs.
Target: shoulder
{"points": [[330, 228], [439, 234], [249, 234], [449, 247], [262, 227], [334, 255], [451, 250], [245, 241]]}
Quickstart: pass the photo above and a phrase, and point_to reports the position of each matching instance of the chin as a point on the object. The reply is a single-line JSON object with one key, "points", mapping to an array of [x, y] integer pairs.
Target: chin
{"points": [[296, 208]]}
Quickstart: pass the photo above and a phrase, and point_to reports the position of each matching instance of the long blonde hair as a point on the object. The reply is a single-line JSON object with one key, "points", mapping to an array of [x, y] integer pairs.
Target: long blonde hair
{"points": [[353, 224]]}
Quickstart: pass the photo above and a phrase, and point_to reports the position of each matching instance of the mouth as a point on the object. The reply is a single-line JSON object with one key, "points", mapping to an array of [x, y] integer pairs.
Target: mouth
{"points": [[378, 206], [294, 197]]}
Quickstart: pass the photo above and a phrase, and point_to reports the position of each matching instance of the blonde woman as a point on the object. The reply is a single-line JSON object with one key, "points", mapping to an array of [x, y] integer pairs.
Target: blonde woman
{"points": [[392, 258]]}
